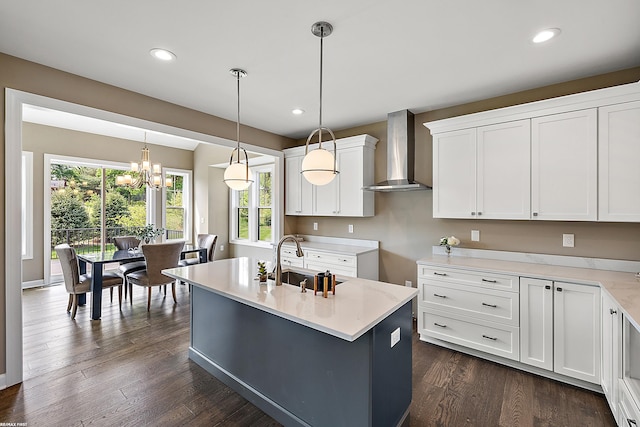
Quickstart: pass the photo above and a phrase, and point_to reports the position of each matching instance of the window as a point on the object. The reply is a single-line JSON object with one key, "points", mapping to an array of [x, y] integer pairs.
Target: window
{"points": [[252, 209], [177, 203]]}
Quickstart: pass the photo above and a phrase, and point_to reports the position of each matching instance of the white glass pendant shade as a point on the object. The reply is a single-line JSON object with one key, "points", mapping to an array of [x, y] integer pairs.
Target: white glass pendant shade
{"points": [[235, 176], [318, 167]]}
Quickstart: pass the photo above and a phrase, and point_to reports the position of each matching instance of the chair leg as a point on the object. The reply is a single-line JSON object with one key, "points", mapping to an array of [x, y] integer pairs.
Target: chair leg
{"points": [[131, 293], [120, 296], [112, 295], [75, 306], [70, 303], [124, 283], [173, 291], [149, 300]]}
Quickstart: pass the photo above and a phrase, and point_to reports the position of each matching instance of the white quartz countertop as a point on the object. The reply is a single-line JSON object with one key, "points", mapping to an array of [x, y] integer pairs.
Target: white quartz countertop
{"points": [[359, 304], [623, 287]]}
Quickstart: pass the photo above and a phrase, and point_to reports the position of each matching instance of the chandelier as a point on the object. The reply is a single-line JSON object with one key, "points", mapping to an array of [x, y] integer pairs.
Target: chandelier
{"points": [[145, 173]]}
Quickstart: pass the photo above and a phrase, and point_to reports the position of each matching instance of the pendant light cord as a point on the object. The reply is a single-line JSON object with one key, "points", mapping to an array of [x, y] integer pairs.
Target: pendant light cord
{"points": [[320, 115], [238, 121]]}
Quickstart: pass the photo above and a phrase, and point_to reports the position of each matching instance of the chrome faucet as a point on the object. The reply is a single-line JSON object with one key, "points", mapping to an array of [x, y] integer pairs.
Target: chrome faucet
{"points": [[299, 253]]}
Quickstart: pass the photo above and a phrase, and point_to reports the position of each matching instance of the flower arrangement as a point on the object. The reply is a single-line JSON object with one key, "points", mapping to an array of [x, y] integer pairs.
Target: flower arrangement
{"points": [[149, 232], [447, 242]]}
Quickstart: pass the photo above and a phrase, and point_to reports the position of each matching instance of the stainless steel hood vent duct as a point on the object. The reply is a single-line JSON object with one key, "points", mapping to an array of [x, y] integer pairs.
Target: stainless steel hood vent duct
{"points": [[400, 155]]}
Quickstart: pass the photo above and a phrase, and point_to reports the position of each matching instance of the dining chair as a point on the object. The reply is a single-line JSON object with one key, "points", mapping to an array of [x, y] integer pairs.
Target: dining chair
{"points": [[123, 243], [77, 283], [158, 257], [204, 241]]}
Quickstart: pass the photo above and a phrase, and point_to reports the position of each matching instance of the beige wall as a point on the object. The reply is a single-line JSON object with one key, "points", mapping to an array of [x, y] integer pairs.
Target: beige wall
{"points": [[406, 229], [41, 140], [34, 78]]}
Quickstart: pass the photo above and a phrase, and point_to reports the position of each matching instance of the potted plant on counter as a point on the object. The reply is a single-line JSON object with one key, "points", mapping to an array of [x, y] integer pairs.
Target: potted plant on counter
{"points": [[262, 272]]}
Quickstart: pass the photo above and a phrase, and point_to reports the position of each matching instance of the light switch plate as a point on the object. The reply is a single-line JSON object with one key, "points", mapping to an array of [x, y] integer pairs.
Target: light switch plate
{"points": [[395, 337], [350, 228], [568, 240], [475, 235], [315, 226]]}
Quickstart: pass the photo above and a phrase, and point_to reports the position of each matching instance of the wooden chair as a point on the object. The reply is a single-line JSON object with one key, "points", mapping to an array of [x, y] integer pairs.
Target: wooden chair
{"points": [[158, 257], [123, 243], [77, 283], [204, 241]]}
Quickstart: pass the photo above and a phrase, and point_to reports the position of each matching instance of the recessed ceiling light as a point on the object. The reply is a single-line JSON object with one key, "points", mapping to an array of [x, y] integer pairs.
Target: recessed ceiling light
{"points": [[546, 35], [297, 111], [162, 54]]}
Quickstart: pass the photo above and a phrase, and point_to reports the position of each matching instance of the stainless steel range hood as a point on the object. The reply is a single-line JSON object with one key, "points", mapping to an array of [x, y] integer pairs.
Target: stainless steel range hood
{"points": [[400, 155]]}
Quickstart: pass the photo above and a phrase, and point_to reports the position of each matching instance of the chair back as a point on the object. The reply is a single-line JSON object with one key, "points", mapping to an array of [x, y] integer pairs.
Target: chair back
{"points": [[159, 256], [208, 241], [126, 242], [69, 264]]}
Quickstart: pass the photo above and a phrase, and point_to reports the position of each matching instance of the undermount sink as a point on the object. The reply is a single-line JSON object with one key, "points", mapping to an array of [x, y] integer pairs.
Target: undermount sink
{"points": [[295, 277]]}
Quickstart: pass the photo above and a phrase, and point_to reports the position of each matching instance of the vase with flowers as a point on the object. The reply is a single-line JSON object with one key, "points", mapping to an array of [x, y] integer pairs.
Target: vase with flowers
{"points": [[447, 242], [149, 233]]}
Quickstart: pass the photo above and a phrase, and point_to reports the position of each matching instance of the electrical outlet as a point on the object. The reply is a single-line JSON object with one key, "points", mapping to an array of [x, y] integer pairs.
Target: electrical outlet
{"points": [[221, 248], [408, 284], [315, 226], [395, 337], [568, 240], [475, 235], [350, 228]]}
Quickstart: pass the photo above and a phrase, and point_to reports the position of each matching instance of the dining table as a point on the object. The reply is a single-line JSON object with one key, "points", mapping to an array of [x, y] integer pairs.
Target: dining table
{"points": [[97, 260]]}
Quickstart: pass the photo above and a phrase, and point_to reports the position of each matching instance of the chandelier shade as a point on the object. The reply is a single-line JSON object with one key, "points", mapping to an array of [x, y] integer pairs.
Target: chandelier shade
{"points": [[237, 174], [319, 165]]}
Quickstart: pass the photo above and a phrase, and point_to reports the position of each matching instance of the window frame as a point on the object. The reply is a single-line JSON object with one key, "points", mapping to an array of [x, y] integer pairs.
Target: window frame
{"points": [[187, 202], [253, 210]]}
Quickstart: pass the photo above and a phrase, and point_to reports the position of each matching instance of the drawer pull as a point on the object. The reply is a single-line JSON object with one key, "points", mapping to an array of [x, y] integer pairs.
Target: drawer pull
{"points": [[631, 422], [547, 286], [489, 305], [439, 296], [612, 311], [489, 281], [489, 338], [559, 289], [439, 274], [439, 325]]}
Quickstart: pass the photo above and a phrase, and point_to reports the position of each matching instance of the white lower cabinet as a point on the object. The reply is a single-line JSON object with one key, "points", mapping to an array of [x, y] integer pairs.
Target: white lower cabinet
{"points": [[560, 327], [628, 409], [611, 344]]}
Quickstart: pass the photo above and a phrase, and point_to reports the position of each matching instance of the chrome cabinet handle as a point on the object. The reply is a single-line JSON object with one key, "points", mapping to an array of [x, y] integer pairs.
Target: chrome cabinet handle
{"points": [[439, 274], [439, 325], [612, 311], [547, 286], [479, 213], [559, 289], [631, 422], [473, 213], [439, 296], [489, 281], [489, 338], [489, 305], [535, 214]]}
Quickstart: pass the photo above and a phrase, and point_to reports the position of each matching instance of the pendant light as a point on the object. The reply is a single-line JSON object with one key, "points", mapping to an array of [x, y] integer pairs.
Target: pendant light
{"points": [[237, 174], [319, 165]]}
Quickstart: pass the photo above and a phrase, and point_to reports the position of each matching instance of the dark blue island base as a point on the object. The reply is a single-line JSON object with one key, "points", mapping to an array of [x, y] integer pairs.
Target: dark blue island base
{"points": [[301, 376]]}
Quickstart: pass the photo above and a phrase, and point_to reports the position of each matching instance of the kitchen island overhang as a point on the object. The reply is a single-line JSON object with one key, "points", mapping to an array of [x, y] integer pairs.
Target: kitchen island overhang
{"points": [[303, 359]]}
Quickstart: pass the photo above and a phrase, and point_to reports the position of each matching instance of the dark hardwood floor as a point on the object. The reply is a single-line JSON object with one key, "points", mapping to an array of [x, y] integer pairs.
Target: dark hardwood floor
{"points": [[131, 369]]}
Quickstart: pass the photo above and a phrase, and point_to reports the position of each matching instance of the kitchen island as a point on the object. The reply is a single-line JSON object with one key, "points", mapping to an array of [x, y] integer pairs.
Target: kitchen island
{"points": [[304, 359]]}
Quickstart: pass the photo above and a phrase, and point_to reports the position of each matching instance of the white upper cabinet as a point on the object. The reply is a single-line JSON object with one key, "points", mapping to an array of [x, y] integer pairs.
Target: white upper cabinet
{"points": [[482, 172], [570, 158], [619, 151], [344, 195], [564, 152]]}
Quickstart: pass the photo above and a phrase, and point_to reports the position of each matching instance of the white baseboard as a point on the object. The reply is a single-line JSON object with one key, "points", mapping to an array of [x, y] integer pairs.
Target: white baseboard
{"points": [[32, 284]]}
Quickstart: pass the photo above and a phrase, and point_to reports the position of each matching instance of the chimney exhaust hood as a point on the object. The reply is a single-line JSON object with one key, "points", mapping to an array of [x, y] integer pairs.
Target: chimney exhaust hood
{"points": [[400, 155]]}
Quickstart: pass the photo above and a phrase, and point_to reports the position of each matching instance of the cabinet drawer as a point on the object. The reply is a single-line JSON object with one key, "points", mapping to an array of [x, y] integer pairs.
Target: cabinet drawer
{"points": [[292, 261], [501, 340], [333, 259], [339, 270], [628, 410], [480, 303], [464, 277]]}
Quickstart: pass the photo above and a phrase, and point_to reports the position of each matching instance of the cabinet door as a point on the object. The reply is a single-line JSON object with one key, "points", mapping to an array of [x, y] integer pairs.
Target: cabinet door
{"points": [[325, 197], [503, 177], [577, 331], [454, 174], [618, 152], [350, 193], [611, 341], [564, 166], [298, 190], [536, 322]]}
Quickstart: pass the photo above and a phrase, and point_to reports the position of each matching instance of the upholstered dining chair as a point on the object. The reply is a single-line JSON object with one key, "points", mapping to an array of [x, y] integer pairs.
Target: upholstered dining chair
{"points": [[123, 243], [204, 241], [77, 283], [158, 257]]}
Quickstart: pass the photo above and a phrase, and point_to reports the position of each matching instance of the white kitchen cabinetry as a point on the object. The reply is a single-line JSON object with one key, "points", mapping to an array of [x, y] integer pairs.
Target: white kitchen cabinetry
{"points": [[344, 195], [619, 150], [472, 309], [298, 197], [342, 265], [611, 345], [483, 172], [574, 312], [564, 150]]}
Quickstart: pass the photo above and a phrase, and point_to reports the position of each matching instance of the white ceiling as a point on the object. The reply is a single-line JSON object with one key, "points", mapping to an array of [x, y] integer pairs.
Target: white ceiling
{"points": [[383, 56]]}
